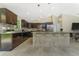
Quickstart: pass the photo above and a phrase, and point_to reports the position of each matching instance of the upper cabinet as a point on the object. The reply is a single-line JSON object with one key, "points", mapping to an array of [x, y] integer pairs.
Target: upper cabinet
{"points": [[24, 24], [8, 17]]}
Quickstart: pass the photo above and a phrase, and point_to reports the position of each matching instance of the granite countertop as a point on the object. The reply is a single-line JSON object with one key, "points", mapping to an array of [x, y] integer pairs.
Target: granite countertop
{"points": [[11, 32], [55, 32], [15, 31], [49, 32]]}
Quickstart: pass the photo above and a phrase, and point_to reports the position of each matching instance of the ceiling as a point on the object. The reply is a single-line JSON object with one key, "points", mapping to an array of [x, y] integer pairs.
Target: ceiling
{"points": [[31, 11]]}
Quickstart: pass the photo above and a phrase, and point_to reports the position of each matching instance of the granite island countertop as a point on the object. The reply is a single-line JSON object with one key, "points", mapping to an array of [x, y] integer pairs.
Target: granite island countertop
{"points": [[55, 32], [12, 32]]}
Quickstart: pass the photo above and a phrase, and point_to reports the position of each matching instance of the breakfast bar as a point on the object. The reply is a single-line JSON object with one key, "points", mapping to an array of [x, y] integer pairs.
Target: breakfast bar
{"points": [[51, 39]]}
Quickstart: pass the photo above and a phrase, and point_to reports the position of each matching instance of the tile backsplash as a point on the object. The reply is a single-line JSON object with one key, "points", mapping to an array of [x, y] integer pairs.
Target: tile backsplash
{"points": [[4, 27]]}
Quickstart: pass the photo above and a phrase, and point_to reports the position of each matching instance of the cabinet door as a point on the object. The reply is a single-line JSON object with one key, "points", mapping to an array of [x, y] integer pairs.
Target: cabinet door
{"points": [[24, 24], [17, 39], [2, 15], [11, 18]]}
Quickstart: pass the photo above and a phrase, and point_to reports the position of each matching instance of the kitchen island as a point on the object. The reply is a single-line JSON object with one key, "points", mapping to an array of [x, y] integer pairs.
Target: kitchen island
{"points": [[51, 39], [10, 40]]}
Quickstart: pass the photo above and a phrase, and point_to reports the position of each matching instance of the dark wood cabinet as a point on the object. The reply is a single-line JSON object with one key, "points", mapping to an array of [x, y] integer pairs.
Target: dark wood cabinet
{"points": [[18, 38], [24, 24], [34, 25], [8, 17]]}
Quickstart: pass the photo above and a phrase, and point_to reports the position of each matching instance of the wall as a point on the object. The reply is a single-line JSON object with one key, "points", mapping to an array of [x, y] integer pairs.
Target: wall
{"points": [[18, 22], [1, 5], [67, 21]]}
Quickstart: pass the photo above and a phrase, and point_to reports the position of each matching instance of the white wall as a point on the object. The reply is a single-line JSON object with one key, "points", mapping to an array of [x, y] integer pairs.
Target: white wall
{"points": [[1, 5], [67, 21], [19, 22]]}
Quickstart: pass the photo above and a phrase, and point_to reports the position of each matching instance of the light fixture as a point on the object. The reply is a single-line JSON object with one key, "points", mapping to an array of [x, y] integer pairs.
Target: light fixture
{"points": [[49, 3], [38, 5]]}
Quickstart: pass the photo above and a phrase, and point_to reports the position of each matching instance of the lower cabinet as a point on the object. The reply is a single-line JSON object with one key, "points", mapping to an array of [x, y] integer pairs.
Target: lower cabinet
{"points": [[11, 41], [18, 38]]}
